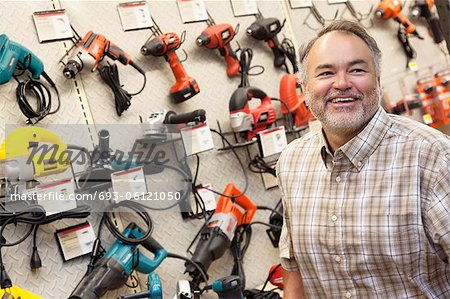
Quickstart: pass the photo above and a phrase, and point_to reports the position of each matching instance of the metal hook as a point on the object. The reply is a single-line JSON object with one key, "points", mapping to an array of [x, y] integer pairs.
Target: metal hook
{"points": [[210, 20], [358, 15], [319, 18], [236, 29], [155, 28], [185, 56], [182, 37]]}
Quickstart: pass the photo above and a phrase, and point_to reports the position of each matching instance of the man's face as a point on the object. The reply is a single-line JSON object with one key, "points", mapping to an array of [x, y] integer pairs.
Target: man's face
{"points": [[342, 90]]}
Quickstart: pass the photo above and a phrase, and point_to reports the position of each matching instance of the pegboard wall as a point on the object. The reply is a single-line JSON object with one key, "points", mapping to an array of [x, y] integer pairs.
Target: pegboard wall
{"points": [[87, 100]]}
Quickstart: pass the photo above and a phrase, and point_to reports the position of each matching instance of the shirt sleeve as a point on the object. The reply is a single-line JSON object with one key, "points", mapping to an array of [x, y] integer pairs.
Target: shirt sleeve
{"points": [[438, 213], [285, 247]]}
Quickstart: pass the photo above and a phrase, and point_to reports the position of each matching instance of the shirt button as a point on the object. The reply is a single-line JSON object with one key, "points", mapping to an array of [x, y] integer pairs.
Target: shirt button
{"points": [[337, 259], [334, 217], [338, 179], [359, 164], [348, 295]]}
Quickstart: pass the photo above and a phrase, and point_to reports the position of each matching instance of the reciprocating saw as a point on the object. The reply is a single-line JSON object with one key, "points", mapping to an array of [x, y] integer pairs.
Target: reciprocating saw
{"points": [[219, 37], [165, 45], [91, 49], [113, 269], [267, 29]]}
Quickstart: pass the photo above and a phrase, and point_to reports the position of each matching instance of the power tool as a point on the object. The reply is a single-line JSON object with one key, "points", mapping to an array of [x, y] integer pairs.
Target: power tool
{"points": [[31, 152], [155, 123], [90, 50], [248, 121], [442, 79], [426, 87], [276, 277], [392, 9], [14, 56], [219, 37], [154, 289], [294, 101], [216, 238], [229, 287], [406, 104], [113, 269], [267, 29], [12, 53], [422, 8], [160, 44]]}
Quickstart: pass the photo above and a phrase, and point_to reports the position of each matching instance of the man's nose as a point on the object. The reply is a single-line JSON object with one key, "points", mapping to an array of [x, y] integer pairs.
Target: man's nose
{"points": [[342, 81]]}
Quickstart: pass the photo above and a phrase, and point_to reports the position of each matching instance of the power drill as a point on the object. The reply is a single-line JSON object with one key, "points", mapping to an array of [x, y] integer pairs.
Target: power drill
{"points": [[113, 269], [295, 102], [267, 29], [248, 121], [91, 49], [229, 287], [165, 45], [154, 289], [216, 237], [422, 8], [392, 9], [219, 37], [12, 53]]}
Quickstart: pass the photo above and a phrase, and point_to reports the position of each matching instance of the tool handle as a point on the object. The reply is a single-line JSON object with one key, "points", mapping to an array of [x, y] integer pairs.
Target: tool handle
{"points": [[176, 66], [278, 53], [436, 31], [116, 53], [198, 115], [103, 143], [409, 27], [407, 48], [147, 265], [242, 201], [231, 60]]}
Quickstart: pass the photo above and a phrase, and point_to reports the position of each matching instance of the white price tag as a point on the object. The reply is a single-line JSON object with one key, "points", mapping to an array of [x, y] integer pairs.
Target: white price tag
{"points": [[192, 10], [128, 184], [52, 25], [134, 15], [244, 7], [272, 141], [76, 240], [207, 197], [56, 197], [300, 3], [197, 139]]}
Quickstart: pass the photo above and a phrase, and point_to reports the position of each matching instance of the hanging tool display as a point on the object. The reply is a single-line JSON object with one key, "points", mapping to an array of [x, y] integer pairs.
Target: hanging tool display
{"points": [[216, 237], [154, 289], [248, 121], [422, 8], [31, 152], [165, 45], [219, 37], [392, 9], [15, 57], [426, 87], [405, 105], [443, 93], [295, 102], [113, 269], [360, 17], [89, 52], [267, 29]]}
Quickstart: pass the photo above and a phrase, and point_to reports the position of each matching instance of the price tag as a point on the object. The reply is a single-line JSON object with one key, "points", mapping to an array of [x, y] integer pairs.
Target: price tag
{"points": [[208, 197], [134, 15], [300, 3], [128, 184], [427, 119], [412, 65], [197, 139], [52, 25], [56, 197], [192, 10], [75, 241], [244, 7], [272, 141]]}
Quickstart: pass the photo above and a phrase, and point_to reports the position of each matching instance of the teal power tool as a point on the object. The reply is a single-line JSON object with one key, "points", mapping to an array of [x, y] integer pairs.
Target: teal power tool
{"points": [[154, 289], [113, 269], [229, 287], [14, 56], [12, 53]]}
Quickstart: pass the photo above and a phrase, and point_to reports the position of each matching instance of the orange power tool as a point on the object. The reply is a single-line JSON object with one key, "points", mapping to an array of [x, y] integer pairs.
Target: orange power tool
{"points": [[165, 45], [426, 87], [216, 238], [295, 102], [91, 49], [392, 9], [219, 37]]}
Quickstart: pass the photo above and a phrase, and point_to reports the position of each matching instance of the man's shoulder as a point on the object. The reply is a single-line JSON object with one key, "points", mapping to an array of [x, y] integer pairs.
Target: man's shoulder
{"points": [[414, 131]]}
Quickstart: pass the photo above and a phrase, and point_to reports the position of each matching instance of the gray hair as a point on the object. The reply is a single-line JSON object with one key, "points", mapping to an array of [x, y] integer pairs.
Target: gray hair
{"points": [[345, 26]]}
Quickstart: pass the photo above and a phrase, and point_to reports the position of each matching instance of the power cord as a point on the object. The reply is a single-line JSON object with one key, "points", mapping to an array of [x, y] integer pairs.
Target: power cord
{"points": [[258, 165], [245, 62], [288, 48], [122, 98], [261, 294]]}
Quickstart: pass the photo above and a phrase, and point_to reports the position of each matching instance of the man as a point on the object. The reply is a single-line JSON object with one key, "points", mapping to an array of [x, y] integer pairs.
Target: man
{"points": [[366, 198]]}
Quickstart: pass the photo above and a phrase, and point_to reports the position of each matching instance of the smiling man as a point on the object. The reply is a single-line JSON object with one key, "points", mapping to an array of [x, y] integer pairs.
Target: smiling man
{"points": [[366, 198]]}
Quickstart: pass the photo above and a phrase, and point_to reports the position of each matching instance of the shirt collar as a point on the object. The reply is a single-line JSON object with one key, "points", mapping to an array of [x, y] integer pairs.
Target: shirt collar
{"points": [[361, 147]]}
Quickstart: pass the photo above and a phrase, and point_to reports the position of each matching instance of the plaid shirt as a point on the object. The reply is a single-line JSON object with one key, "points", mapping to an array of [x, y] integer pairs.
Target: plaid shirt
{"points": [[372, 220]]}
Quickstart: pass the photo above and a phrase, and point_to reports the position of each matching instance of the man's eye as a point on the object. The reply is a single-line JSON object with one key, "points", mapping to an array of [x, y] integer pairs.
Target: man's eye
{"points": [[357, 71], [327, 73]]}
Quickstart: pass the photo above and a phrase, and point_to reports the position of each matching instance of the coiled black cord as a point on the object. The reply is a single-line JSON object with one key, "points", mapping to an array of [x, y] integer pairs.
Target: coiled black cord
{"points": [[288, 48]]}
